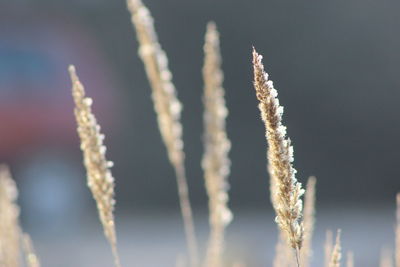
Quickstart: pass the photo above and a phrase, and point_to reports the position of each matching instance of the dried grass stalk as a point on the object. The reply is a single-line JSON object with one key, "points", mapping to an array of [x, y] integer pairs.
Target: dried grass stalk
{"points": [[386, 258], [397, 251], [215, 162], [30, 256], [168, 109], [99, 177], [9, 220], [336, 252], [328, 247], [350, 259], [309, 220], [288, 191]]}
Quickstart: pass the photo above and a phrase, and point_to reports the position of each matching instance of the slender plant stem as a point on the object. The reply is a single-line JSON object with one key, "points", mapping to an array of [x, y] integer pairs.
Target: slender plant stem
{"points": [[186, 210], [168, 109], [297, 257]]}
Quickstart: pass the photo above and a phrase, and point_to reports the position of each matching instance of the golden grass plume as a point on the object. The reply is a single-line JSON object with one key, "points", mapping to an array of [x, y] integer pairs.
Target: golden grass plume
{"points": [[215, 162], [287, 202], [168, 109], [166, 103], [99, 177]]}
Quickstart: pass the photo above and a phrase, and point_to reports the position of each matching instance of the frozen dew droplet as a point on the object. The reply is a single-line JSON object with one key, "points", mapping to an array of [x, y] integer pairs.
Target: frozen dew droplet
{"points": [[110, 164], [175, 107], [88, 101], [166, 75], [226, 216]]}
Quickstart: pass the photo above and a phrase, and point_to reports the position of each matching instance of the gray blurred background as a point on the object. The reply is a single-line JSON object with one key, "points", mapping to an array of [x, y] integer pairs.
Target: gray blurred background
{"points": [[335, 65]]}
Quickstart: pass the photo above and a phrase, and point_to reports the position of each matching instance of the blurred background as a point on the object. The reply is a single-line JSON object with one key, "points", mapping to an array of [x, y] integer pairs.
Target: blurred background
{"points": [[335, 65]]}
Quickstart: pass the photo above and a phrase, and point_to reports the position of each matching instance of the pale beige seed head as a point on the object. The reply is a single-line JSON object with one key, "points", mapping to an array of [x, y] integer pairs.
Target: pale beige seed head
{"points": [[287, 192], [9, 220], [216, 163], [336, 254], [166, 103], [99, 177], [168, 109]]}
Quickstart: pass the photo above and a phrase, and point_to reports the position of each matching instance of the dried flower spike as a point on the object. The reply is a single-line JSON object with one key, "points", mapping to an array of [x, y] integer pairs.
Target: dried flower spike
{"points": [[168, 109], [287, 191], [9, 220], [99, 177], [215, 162]]}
